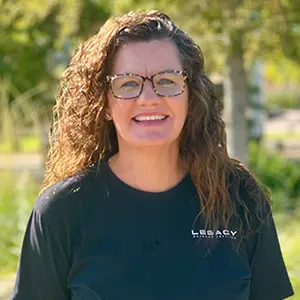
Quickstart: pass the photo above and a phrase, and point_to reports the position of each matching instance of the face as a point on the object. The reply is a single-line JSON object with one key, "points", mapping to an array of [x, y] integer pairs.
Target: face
{"points": [[148, 119]]}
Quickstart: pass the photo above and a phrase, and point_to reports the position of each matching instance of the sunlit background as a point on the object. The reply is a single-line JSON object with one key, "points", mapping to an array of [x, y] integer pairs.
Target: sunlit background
{"points": [[252, 52]]}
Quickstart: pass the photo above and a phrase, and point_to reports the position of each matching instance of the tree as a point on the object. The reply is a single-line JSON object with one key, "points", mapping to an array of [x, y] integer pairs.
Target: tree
{"points": [[38, 37], [235, 32]]}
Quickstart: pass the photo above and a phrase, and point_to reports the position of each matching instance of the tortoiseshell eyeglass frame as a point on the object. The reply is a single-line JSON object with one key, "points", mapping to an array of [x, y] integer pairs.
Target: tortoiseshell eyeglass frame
{"points": [[144, 78]]}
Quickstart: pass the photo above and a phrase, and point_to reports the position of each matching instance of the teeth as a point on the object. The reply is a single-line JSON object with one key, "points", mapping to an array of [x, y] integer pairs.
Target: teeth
{"points": [[149, 118]]}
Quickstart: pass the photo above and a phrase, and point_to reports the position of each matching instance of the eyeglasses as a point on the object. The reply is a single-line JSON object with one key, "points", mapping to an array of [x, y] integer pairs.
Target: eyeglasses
{"points": [[165, 84]]}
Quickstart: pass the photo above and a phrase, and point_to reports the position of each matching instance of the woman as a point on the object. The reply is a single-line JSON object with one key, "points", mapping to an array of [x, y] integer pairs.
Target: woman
{"points": [[140, 199]]}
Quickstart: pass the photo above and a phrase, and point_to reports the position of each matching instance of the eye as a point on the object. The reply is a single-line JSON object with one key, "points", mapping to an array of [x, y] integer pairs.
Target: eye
{"points": [[165, 81], [129, 84]]}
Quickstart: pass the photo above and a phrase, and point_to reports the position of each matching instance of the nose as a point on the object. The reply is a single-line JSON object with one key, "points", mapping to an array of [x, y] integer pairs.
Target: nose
{"points": [[148, 97]]}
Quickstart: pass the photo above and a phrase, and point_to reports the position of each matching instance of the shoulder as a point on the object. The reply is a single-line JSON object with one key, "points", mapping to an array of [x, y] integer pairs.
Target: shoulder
{"points": [[68, 197]]}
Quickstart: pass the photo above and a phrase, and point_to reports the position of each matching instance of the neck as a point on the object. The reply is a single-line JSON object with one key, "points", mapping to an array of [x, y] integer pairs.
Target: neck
{"points": [[154, 170]]}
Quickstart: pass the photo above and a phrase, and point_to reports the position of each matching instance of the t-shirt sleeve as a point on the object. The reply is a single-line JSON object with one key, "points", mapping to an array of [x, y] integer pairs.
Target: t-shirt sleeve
{"points": [[270, 280], [269, 277], [43, 265], [46, 254]]}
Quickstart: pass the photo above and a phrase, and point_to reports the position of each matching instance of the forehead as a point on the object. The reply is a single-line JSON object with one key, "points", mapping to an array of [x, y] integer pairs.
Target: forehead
{"points": [[146, 58]]}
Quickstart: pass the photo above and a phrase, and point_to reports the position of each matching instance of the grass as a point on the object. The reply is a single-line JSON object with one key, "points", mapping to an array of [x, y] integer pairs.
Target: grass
{"points": [[274, 136], [290, 246], [17, 196], [27, 144], [19, 113]]}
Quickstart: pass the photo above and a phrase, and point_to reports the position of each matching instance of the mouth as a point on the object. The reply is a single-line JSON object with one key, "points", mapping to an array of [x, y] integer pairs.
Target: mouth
{"points": [[149, 119]]}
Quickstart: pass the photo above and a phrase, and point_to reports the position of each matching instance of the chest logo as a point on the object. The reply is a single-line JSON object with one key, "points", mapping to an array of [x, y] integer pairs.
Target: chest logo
{"points": [[210, 234]]}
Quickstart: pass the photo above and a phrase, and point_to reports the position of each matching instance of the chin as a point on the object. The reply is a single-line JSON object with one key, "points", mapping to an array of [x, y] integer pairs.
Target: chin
{"points": [[153, 142], [153, 139]]}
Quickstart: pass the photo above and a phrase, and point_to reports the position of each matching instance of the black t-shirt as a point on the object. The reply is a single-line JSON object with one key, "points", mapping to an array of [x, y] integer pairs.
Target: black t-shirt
{"points": [[91, 236]]}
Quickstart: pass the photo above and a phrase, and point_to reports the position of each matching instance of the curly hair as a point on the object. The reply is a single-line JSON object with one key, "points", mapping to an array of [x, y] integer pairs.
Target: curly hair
{"points": [[82, 135]]}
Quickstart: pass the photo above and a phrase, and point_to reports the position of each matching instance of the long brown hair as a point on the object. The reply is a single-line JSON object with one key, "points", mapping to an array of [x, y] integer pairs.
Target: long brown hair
{"points": [[82, 135]]}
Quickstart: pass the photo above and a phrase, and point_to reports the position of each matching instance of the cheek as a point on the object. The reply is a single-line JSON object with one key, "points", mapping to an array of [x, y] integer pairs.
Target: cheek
{"points": [[179, 105], [119, 110]]}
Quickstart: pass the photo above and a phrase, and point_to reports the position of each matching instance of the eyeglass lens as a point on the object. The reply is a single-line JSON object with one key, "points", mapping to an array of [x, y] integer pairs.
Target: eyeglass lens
{"points": [[165, 84]]}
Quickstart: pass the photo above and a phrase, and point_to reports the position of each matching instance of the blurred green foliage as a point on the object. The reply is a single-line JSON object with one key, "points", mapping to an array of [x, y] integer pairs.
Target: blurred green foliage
{"points": [[287, 100], [26, 144], [256, 28], [18, 117], [37, 38], [280, 70], [17, 195], [290, 247], [279, 174]]}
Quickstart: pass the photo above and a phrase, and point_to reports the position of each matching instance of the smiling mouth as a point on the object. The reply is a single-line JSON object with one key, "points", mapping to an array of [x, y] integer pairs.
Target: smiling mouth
{"points": [[154, 118]]}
